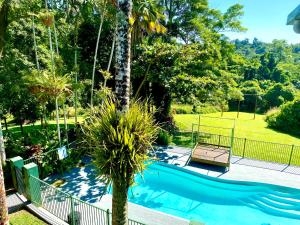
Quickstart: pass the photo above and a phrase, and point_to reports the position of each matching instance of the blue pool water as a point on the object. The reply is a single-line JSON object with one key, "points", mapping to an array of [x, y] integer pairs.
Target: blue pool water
{"points": [[214, 201]]}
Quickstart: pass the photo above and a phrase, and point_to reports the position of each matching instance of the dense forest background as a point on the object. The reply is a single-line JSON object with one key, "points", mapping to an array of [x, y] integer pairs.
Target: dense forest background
{"points": [[179, 55]]}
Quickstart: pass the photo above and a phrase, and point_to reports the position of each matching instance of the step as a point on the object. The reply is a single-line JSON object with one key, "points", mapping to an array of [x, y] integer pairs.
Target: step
{"points": [[287, 205], [295, 214], [290, 194], [285, 200]]}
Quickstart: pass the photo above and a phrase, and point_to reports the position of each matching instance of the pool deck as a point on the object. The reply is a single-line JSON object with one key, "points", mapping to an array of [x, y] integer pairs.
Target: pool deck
{"points": [[82, 182], [242, 169]]}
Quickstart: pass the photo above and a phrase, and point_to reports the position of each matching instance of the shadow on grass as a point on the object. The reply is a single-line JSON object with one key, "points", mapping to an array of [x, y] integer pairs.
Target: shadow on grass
{"points": [[183, 139], [291, 133]]}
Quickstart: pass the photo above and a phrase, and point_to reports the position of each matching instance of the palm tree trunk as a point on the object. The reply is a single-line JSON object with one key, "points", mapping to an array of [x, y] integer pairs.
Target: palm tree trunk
{"points": [[119, 203], [57, 120], [35, 46], [112, 50], [65, 122], [76, 81], [55, 37], [51, 50], [4, 220], [2, 149], [123, 47], [95, 58], [4, 10]]}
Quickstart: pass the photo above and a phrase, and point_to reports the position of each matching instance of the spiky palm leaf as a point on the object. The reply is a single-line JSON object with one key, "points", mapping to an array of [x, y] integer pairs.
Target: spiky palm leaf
{"points": [[120, 140], [45, 86], [146, 17]]}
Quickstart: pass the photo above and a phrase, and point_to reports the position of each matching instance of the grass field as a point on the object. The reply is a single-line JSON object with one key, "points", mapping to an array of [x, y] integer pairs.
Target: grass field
{"points": [[245, 127], [23, 217], [268, 144]]}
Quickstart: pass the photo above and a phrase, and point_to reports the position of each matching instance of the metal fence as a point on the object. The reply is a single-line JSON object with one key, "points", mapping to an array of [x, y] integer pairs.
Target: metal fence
{"points": [[247, 148], [69, 209]]}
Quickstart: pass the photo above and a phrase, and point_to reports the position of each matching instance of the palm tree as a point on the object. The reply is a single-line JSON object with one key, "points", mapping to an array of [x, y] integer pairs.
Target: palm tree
{"points": [[123, 53], [120, 142], [2, 149], [4, 22], [146, 15], [102, 7], [47, 87], [4, 220]]}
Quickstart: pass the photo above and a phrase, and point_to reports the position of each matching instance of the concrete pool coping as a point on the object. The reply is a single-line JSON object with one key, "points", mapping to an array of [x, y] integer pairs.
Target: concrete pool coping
{"points": [[241, 169], [145, 215]]}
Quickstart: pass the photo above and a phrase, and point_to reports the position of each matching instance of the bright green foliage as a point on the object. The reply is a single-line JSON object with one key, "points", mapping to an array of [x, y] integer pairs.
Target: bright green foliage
{"points": [[164, 138], [120, 141], [287, 119], [46, 86], [279, 94]]}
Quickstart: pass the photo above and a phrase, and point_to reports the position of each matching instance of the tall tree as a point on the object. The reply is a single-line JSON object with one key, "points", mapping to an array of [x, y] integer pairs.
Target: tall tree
{"points": [[102, 7], [4, 10], [123, 53]]}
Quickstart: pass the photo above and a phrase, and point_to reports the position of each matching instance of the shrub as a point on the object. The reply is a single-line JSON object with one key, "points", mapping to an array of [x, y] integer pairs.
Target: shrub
{"points": [[287, 119], [278, 95], [182, 109], [164, 138], [271, 116], [203, 108], [206, 108]]}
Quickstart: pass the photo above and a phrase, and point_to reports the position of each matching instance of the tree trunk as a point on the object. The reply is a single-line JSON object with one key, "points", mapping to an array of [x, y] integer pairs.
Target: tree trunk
{"points": [[21, 126], [112, 50], [65, 122], [5, 123], [76, 77], [3, 24], [123, 47], [35, 45], [95, 58], [119, 203], [4, 220], [57, 121], [2, 149]]}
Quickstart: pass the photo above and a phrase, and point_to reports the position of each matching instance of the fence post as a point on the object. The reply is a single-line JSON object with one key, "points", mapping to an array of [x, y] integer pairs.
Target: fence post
{"points": [[108, 217], [291, 155], [192, 135], [15, 162], [32, 186], [72, 211], [244, 149]]}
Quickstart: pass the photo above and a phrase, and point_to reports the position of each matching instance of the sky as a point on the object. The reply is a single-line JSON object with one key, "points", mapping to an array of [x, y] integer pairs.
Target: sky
{"points": [[264, 19]]}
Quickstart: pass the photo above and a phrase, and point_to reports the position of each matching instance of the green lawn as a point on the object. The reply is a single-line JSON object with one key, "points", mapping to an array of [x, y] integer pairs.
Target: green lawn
{"points": [[245, 127], [24, 217]]}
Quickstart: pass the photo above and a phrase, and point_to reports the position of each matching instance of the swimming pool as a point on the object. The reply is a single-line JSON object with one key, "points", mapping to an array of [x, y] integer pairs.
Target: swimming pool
{"points": [[214, 201]]}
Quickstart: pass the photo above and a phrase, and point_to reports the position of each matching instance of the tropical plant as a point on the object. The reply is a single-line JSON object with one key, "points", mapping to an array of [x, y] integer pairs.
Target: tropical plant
{"points": [[48, 87], [146, 19], [102, 8], [120, 142]]}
